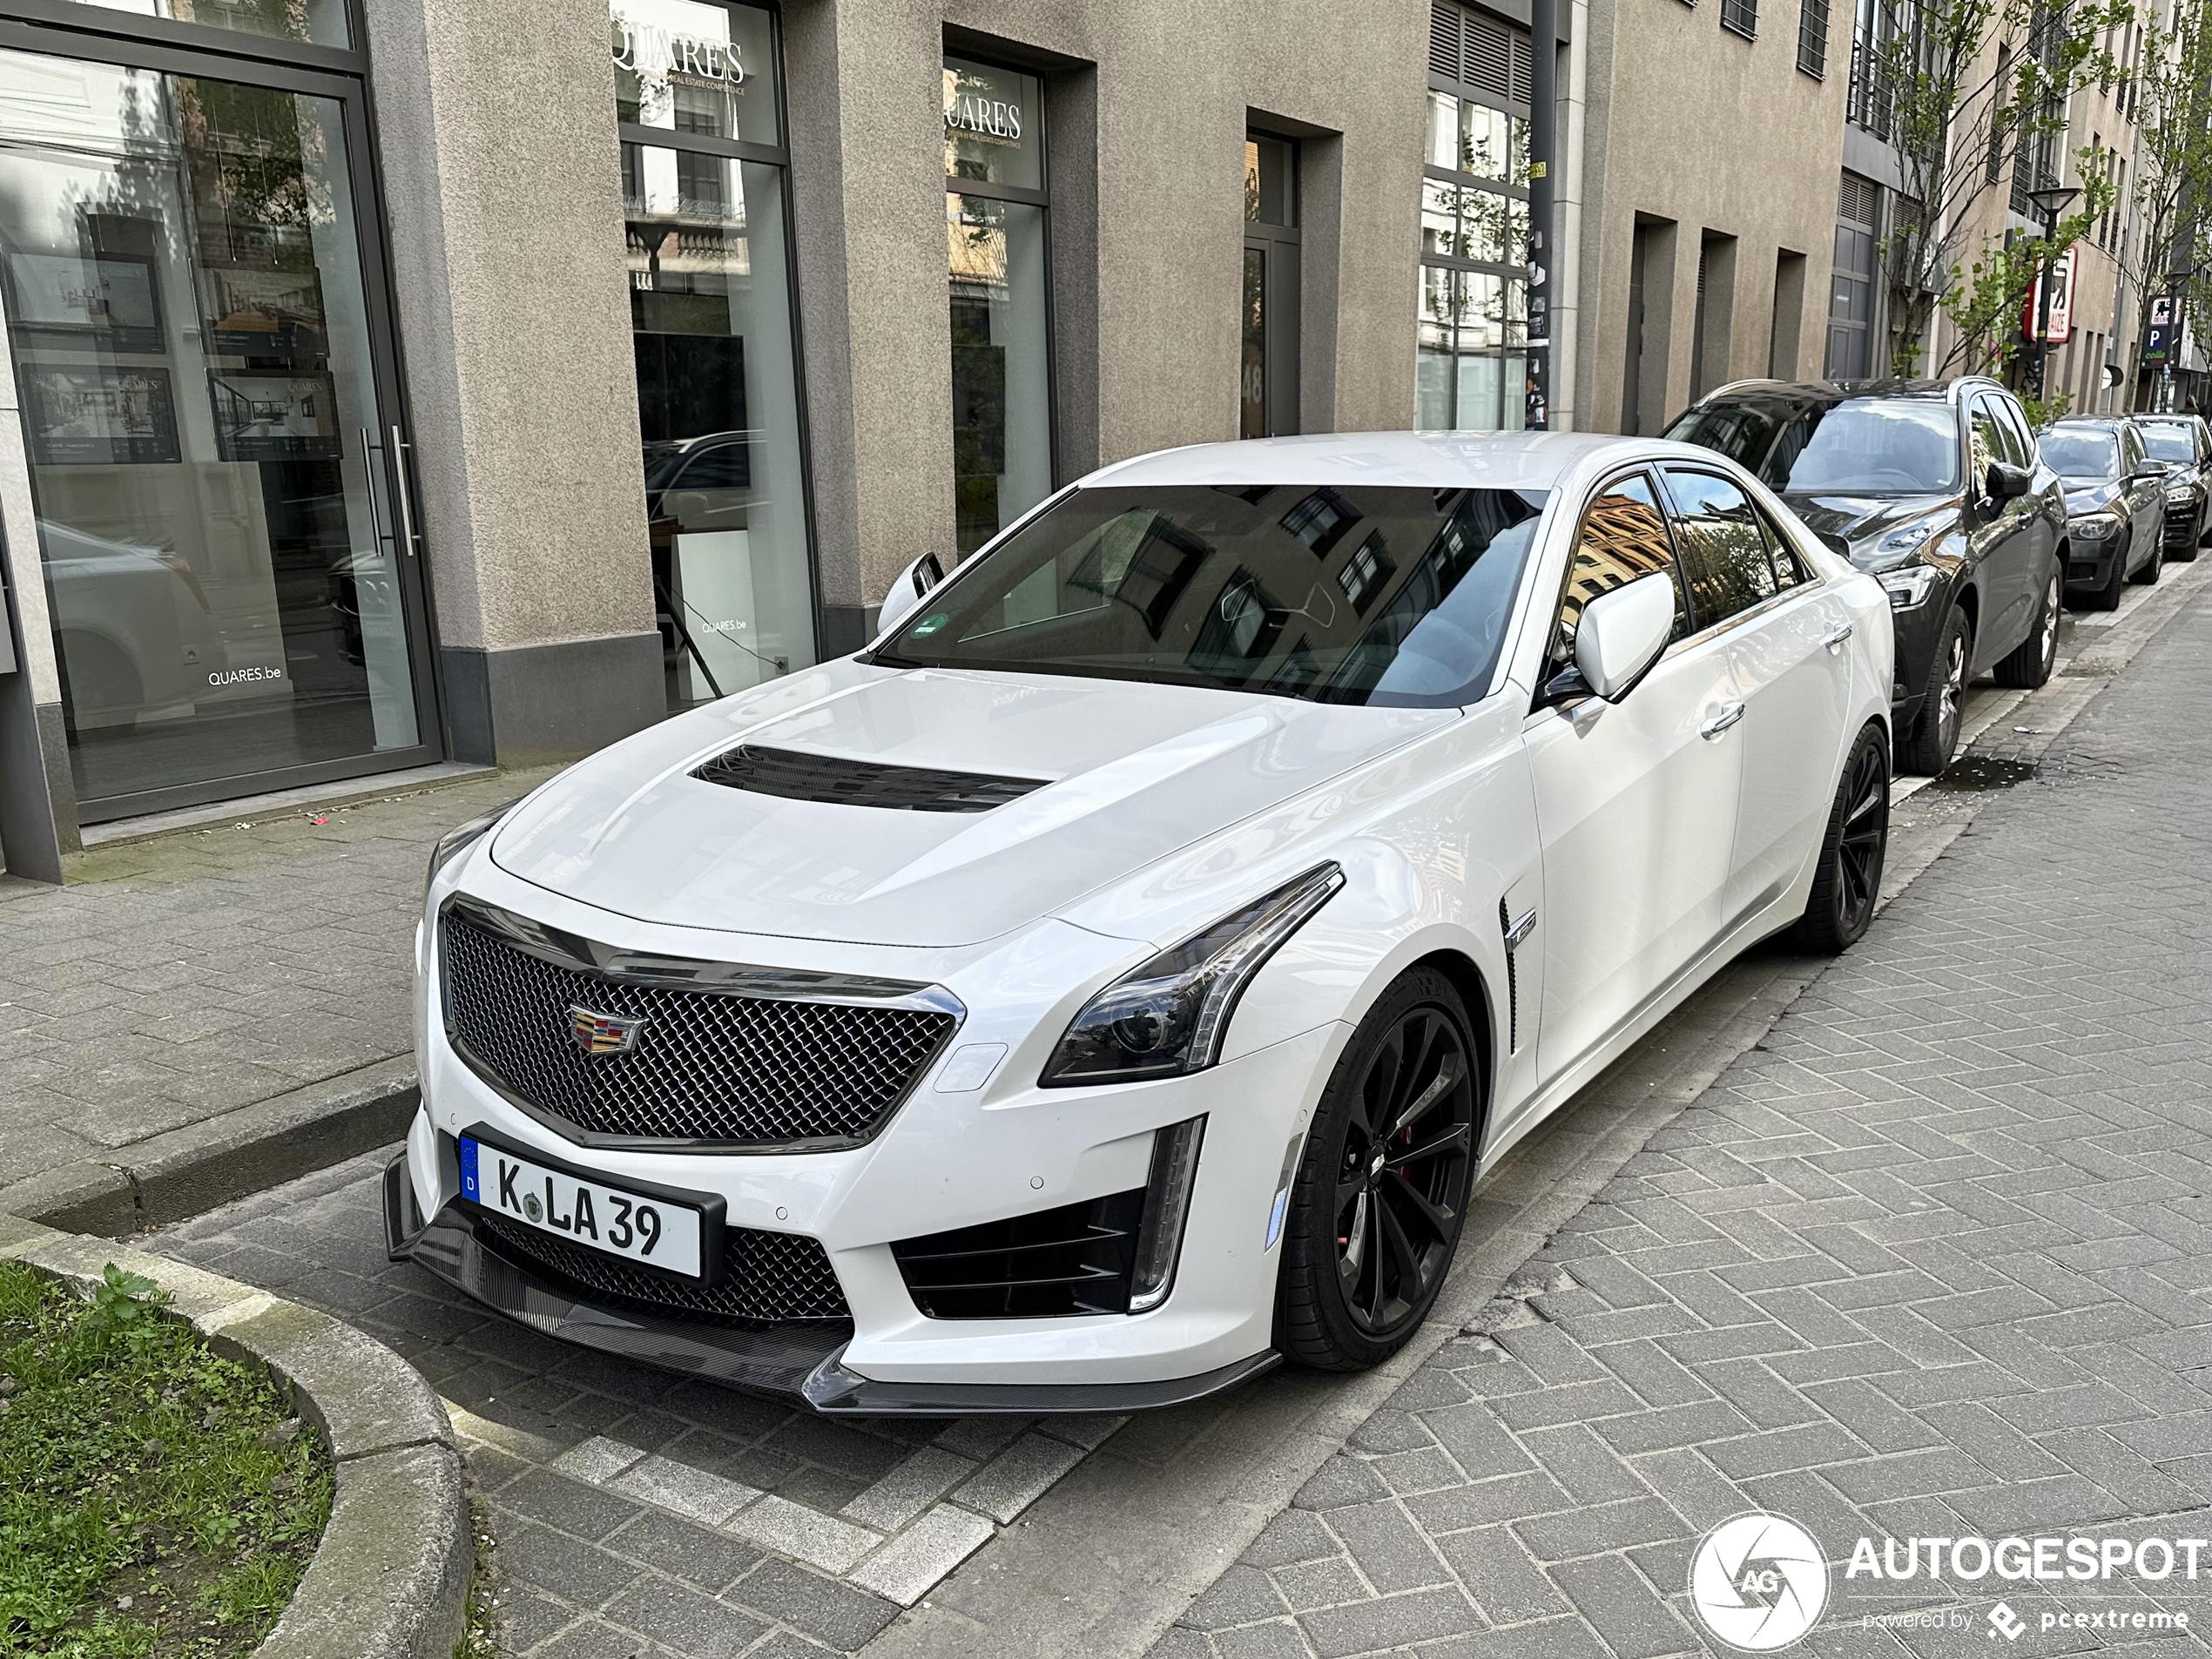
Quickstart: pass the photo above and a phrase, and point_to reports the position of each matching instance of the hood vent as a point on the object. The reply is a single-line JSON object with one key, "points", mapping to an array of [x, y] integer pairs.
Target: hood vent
{"points": [[796, 776]]}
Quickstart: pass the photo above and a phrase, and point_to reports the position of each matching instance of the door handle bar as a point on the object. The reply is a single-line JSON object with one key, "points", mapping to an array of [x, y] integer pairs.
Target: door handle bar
{"points": [[1834, 640], [1728, 716]]}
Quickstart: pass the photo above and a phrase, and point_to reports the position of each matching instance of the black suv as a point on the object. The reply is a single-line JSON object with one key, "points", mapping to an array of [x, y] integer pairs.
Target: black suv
{"points": [[1934, 487], [2184, 443]]}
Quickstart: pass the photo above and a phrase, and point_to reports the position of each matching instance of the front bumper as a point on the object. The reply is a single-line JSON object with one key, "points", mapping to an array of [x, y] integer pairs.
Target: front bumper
{"points": [[2184, 523], [798, 1361], [2088, 565]]}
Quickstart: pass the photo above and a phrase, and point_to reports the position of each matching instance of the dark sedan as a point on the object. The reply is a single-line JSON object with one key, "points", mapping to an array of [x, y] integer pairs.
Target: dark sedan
{"points": [[2184, 443], [1936, 488], [2115, 503]]}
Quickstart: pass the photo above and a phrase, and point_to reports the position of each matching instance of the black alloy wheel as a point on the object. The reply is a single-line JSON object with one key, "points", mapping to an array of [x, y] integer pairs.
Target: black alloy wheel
{"points": [[1381, 1192], [1935, 735], [1847, 881], [2030, 662]]}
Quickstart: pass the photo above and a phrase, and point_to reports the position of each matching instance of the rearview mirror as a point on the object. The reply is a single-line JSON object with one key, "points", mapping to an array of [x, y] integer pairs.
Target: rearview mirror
{"points": [[909, 588], [1620, 634]]}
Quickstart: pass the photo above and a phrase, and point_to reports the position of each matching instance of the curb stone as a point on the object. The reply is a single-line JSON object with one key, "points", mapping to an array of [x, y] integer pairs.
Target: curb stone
{"points": [[185, 1172], [390, 1577]]}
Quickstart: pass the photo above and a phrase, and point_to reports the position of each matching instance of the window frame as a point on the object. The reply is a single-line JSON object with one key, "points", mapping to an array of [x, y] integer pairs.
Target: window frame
{"points": [[1548, 663]]}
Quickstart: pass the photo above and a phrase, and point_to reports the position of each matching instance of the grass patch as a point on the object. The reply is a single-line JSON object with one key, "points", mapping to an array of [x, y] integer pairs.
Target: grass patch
{"points": [[157, 1501]]}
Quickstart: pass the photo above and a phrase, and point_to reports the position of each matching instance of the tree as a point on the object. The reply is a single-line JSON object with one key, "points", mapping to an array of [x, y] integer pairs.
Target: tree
{"points": [[2173, 187], [1985, 301], [1973, 95]]}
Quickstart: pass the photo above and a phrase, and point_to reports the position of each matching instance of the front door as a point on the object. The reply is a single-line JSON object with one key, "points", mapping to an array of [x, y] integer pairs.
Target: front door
{"points": [[1636, 801], [195, 327], [1785, 635]]}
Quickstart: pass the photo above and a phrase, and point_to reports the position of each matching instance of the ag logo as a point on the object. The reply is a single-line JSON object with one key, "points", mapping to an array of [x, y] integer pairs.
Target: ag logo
{"points": [[1759, 1582]]}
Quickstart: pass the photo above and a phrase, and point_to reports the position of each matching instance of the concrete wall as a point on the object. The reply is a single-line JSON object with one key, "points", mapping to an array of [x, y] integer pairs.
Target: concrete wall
{"points": [[503, 186], [1693, 127], [1147, 105]]}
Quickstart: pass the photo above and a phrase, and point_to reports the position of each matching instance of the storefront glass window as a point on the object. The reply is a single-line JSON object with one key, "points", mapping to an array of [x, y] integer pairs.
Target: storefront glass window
{"points": [[996, 268], [694, 68], [318, 23], [189, 333], [710, 315]]}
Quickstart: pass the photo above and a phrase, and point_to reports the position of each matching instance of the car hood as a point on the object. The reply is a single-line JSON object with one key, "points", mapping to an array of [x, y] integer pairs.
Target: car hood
{"points": [[2087, 496], [1854, 525], [1132, 772]]}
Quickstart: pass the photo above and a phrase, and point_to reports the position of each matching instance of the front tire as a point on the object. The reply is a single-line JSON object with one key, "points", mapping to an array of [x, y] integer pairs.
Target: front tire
{"points": [[2156, 563], [1381, 1192], [1935, 734], [1847, 882], [2030, 662]]}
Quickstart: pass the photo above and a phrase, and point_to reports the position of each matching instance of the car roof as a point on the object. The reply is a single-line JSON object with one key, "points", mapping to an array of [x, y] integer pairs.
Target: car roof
{"points": [[1809, 394], [2092, 419], [1423, 460]]}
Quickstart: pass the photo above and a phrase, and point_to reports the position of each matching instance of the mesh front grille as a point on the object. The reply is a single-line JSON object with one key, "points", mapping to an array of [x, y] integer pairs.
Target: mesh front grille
{"points": [[734, 1070], [767, 1277]]}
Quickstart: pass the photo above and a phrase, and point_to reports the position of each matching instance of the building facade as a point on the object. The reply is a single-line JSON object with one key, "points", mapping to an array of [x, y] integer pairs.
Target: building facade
{"points": [[396, 381]]}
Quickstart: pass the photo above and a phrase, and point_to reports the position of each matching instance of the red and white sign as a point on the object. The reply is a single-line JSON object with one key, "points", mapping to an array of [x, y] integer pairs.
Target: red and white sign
{"points": [[2062, 312]]}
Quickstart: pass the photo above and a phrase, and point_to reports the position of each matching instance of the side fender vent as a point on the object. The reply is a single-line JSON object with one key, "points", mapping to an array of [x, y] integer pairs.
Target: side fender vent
{"points": [[797, 776], [1513, 984]]}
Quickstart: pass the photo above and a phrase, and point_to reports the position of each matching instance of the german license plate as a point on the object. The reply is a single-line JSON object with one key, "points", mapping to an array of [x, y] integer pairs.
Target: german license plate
{"points": [[606, 1218]]}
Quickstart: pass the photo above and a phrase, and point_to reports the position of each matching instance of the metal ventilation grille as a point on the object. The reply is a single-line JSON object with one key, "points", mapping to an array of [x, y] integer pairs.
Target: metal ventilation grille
{"points": [[794, 776], [1482, 55], [1051, 1263], [716, 1068], [768, 1278], [1513, 982]]}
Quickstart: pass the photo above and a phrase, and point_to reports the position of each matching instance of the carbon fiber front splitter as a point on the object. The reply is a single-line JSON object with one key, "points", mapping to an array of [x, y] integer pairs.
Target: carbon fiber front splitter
{"points": [[797, 1362]]}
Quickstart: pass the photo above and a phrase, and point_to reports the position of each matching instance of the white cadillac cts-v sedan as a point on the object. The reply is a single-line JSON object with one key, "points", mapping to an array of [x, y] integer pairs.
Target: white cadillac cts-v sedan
{"points": [[1111, 981]]}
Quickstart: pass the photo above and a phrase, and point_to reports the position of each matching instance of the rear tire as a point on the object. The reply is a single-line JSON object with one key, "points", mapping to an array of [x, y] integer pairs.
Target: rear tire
{"points": [[1935, 734], [1380, 1198], [2030, 662], [1847, 882]]}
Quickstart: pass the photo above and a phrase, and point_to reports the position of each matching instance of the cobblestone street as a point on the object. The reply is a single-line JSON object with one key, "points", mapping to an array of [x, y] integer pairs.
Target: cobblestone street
{"points": [[1930, 1261]]}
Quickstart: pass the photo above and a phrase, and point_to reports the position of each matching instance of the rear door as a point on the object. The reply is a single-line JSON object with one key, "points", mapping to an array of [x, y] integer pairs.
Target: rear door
{"points": [[2007, 536], [1784, 633], [1636, 801]]}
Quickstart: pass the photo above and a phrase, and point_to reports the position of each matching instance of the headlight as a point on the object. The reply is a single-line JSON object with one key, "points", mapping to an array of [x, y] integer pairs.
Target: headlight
{"points": [[1167, 1015], [2096, 528], [462, 836], [1910, 585], [2180, 495], [1905, 539]]}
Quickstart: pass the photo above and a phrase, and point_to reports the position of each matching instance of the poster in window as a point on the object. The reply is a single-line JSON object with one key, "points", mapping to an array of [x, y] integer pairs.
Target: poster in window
{"points": [[273, 417], [105, 300], [253, 311], [97, 413]]}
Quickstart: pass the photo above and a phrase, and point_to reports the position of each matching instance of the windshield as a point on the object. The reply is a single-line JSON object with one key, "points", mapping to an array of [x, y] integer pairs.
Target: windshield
{"points": [[2082, 452], [2169, 440], [1387, 597], [1871, 447], [1742, 432]]}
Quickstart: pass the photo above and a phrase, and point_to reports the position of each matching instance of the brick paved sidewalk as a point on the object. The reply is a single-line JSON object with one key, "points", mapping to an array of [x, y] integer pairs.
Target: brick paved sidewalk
{"points": [[1932, 1260], [177, 979]]}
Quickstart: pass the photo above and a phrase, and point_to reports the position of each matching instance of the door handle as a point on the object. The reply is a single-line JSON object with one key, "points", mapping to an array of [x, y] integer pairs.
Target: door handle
{"points": [[1834, 640], [1728, 716]]}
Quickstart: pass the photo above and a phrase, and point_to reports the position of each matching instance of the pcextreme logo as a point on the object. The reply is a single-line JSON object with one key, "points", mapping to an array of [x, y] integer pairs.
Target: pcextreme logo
{"points": [[1759, 1582]]}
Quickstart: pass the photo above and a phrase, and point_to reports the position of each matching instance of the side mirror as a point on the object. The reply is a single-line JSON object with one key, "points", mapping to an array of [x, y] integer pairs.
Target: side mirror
{"points": [[909, 588], [2006, 482], [1621, 633]]}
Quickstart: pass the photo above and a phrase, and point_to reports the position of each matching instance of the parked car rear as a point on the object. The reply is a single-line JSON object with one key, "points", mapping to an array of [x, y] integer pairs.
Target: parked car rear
{"points": [[1936, 489]]}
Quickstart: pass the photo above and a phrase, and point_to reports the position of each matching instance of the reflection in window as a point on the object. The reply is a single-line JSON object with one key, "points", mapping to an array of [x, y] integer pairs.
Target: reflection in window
{"points": [[1623, 536], [1319, 519], [1470, 351], [1724, 551], [1364, 572]]}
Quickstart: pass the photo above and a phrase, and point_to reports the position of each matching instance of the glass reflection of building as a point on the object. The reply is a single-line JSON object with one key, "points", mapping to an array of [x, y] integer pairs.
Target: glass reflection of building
{"points": [[1472, 305], [704, 205]]}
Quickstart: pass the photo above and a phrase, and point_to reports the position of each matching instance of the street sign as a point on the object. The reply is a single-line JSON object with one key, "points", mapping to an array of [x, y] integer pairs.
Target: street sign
{"points": [[2061, 294], [2160, 334]]}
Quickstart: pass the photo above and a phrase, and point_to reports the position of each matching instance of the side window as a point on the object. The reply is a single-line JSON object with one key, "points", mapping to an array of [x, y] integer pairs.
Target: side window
{"points": [[1724, 551], [1791, 444], [1985, 443], [1791, 568], [2016, 424], [2009, 448], [1623, 536]]}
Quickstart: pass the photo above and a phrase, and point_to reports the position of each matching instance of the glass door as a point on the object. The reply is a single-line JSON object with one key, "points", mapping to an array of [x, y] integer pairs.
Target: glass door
{"points": [[209, 420]]}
